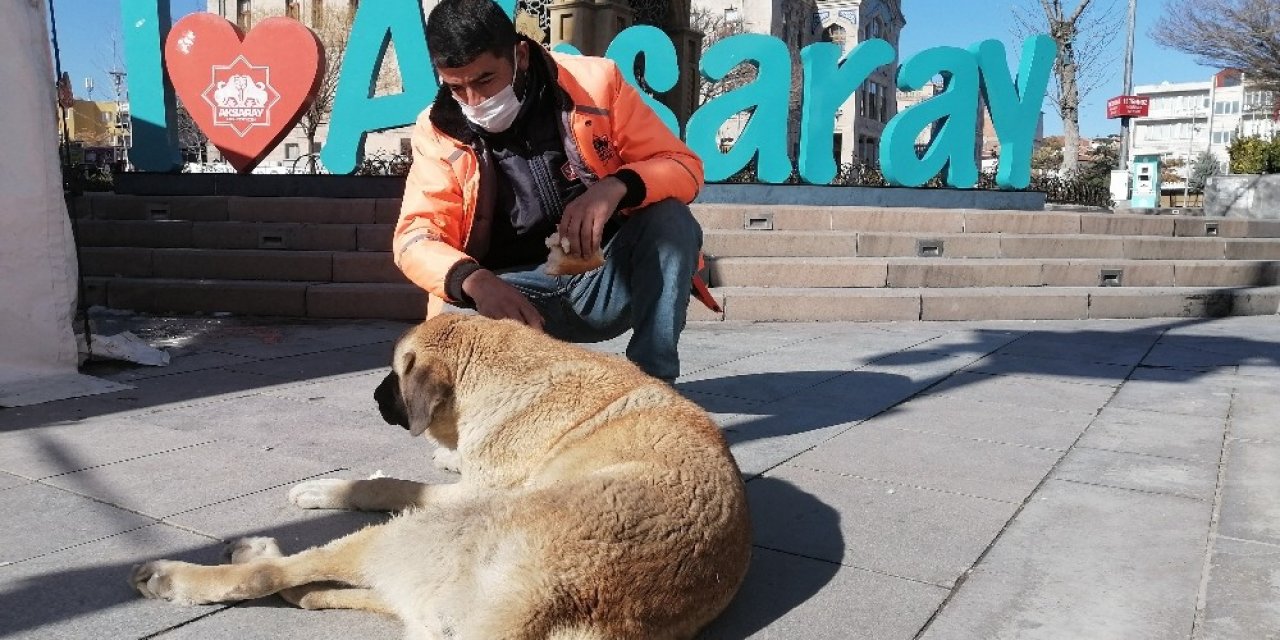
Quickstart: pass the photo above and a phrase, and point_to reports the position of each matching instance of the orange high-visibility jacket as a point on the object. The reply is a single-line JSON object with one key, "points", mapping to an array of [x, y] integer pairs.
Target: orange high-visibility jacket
{"points": [[448, 201]]}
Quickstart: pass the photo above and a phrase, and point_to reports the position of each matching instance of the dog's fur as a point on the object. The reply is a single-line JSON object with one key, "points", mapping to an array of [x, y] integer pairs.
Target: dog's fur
{"points": [[594, 502]]}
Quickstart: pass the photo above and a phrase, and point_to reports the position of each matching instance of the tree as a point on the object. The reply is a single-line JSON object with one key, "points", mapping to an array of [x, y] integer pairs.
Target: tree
{"points": [[192, 142], [1085, 56], [715, 26], [1102, 159], [1237, 34], [333, 27], [1206, 165], [1047, 156], [1169, 170]]}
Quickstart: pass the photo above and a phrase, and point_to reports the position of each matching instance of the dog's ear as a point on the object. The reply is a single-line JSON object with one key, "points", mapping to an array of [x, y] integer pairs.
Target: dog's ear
{"points": [[390, 403], [426, 383]]}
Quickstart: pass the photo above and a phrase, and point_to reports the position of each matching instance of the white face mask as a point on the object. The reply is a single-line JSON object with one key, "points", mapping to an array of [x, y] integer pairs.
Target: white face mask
{"points": [[498, 112]]}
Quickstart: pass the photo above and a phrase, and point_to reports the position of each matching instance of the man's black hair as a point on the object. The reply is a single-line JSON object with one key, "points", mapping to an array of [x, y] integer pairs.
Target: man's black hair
{"points": [[458, 31]]}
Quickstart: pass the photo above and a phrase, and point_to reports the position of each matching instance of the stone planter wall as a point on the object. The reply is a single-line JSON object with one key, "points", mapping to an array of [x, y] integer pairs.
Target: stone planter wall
{"points": [[1243, 196]]}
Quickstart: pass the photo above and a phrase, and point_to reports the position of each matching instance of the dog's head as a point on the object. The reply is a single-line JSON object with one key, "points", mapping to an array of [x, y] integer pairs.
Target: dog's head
{"points": [[418, 393]]}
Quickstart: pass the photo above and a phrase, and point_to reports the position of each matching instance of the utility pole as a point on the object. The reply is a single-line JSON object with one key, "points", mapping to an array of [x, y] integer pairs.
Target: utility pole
{"points": [[1128, 86]]}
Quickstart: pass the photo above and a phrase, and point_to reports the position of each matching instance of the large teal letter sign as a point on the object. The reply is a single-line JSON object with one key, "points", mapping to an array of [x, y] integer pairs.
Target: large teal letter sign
{"points": [[766, 98], [660, 69], [1015, 108], [957, 107], [828, 82], [151, 104], [355, 111]]}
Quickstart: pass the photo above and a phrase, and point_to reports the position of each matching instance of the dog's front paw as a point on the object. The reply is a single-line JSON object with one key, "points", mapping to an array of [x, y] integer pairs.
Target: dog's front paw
{"points": [[447, 459], [159, 580], [321, 493], [247, 550]]}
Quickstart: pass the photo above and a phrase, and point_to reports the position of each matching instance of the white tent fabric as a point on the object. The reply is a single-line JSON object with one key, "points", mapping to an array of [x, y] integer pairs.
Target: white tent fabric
{"points": [[38, 354]]}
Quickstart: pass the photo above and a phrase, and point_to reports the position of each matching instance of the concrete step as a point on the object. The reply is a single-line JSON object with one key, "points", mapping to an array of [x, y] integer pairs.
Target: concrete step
{"points": [[724, 243], [241, 264], [759, 304], [955, 273], [947, 221], [238, 209], [259, 297], [234, 235]]}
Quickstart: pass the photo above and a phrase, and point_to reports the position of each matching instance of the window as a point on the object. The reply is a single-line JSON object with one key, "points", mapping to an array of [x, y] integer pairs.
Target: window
{"points": [[317, 12], [292, 10], [835, 33], [291, 151], [1223, 137], [1226, 108], [406, 146], [244, 14]]}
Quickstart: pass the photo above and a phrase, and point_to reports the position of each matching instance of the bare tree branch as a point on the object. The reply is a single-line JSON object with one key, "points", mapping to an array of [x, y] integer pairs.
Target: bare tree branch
{"points": [[1239, 34], [1086, 53]]}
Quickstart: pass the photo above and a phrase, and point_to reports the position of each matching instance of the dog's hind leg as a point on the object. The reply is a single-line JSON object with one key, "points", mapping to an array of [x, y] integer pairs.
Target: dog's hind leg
{"points": [[326, 595], [339, 561], [374, 494], [309, 596]]}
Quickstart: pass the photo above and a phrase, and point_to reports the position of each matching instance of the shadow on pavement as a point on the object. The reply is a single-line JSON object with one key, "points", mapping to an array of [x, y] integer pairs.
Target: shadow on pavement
{"points": [[779, 582]]}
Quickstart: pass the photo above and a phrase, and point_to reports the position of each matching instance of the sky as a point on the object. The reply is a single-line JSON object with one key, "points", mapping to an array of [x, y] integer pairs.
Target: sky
{"points": [[88, 32]]}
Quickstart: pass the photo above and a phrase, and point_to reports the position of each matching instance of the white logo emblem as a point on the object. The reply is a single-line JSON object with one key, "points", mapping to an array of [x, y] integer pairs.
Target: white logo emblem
{"points": [[241, 96]]}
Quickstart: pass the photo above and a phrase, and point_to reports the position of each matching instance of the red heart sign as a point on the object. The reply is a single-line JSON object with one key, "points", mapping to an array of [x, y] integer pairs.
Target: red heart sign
{"points": [[244, 92]]}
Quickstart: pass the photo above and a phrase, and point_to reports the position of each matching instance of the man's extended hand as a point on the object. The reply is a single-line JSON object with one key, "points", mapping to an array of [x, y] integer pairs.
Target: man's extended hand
{"points": [[497, 299], [584, 217]]}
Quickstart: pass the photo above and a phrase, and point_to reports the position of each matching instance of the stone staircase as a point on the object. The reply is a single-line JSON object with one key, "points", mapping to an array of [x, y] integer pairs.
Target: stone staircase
{"points": [[329, 258]]}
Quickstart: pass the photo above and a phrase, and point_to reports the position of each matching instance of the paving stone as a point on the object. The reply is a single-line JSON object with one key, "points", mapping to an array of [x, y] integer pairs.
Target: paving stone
{"points": [[9, 481], [1001, 363], [315, 365], [1140, 472], [1240, 598], [1171, 391], [931, 461], [1195, 439], [760, 442], [207, 385], [1210, 353], [1027, 392], [269, 513], [82, 593], [183, 363], [272, 618], [50, 451], [1088, 345], [41, 519], [1253, 415], [911, 533], [787, 596], [979, 420], [1085, 562], [348, 392], [731, 380], [185, 479], [1250, 507], [297, 427]]}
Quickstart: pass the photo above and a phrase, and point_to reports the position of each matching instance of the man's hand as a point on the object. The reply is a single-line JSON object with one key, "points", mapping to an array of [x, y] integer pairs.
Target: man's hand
{"points": [[584, 217], [497, 299]]}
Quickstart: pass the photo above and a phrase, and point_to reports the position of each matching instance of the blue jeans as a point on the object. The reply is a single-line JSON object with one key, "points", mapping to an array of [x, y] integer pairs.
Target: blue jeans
{"points": [[644, 285]]}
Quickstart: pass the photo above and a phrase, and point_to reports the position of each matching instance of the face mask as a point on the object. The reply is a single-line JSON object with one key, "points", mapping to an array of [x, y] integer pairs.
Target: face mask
{"points": [[496, 113]]}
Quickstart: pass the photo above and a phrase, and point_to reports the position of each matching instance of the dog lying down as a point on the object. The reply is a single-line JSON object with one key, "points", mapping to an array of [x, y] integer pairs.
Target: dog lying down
{"points": [[594, 503]]}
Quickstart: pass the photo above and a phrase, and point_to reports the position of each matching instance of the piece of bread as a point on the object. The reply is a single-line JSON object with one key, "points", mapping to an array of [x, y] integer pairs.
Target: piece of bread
{"points": [[560, 263]]}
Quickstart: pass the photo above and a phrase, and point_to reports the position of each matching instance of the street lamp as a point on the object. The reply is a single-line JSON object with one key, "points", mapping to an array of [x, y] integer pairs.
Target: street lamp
{"points": [[1191, 143]]}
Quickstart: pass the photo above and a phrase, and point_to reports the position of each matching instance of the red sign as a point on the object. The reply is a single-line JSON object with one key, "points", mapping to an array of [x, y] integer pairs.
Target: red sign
{"points": [[1128, 107], [244, 92]]}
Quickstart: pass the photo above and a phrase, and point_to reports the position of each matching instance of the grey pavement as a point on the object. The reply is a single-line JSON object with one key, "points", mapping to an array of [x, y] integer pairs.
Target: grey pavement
{"points": [[971, 480]]}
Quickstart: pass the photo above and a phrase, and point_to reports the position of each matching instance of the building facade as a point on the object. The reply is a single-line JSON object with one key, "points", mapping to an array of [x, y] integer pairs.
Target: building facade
{"points": [[1188, 118]]}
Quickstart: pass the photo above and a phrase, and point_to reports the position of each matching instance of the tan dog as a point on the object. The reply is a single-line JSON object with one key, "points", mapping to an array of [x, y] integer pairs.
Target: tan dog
{"points": [[595, 503]]}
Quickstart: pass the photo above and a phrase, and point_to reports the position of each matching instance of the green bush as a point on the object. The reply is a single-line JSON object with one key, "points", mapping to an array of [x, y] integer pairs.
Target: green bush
{"points": [[1253, 155]]}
